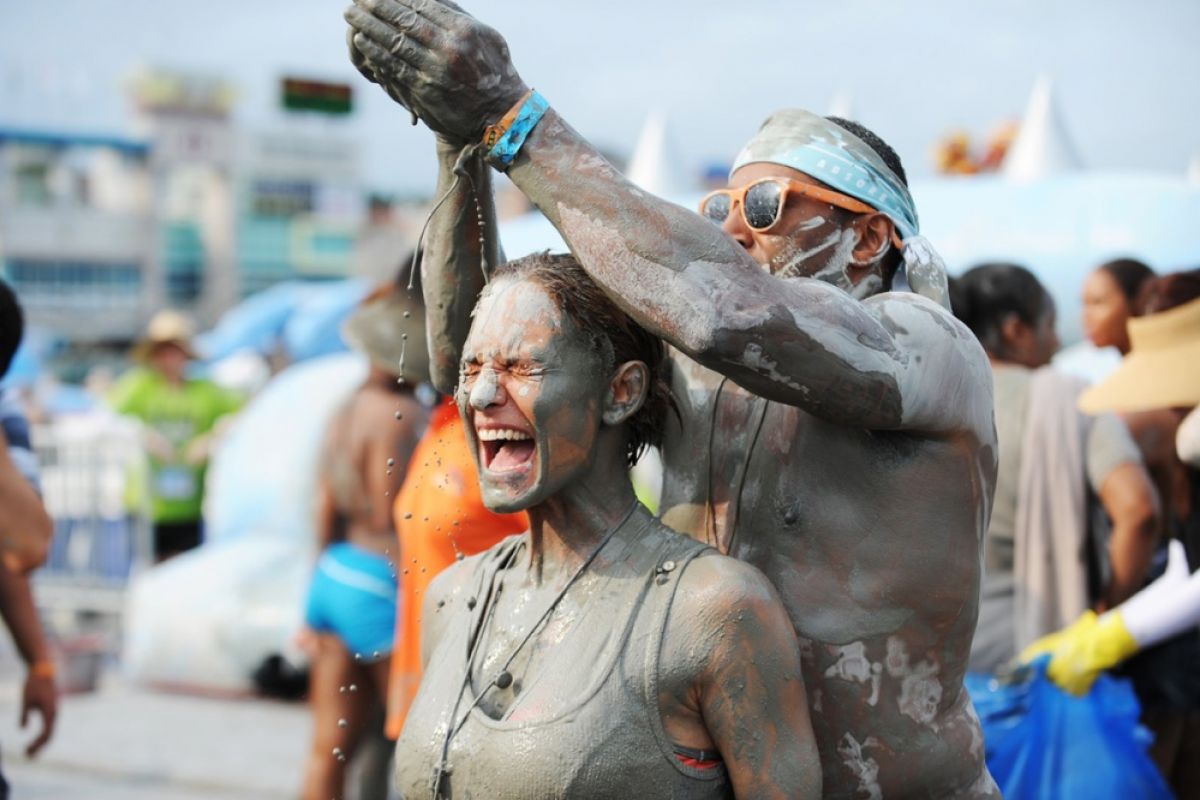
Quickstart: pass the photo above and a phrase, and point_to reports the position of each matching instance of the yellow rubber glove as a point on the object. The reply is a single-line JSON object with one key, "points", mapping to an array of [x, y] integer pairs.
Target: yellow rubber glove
{"points": [[1084, 649]]}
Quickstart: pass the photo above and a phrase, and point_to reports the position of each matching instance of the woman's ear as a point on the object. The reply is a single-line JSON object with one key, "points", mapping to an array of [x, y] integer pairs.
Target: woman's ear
{"points": [[626, 393]]}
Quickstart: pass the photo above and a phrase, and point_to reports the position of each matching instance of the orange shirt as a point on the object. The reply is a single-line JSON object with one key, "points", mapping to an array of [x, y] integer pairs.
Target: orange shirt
{"points": [[439, 513]]}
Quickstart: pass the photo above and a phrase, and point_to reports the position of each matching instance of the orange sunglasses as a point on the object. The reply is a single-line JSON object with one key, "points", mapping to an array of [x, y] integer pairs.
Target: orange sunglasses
{"points": [[763, 200]]}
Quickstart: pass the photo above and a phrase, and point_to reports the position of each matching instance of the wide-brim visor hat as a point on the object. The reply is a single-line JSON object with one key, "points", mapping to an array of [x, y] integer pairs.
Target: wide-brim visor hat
{"points": [[388, 327], [1162, 369], [167, 327]]}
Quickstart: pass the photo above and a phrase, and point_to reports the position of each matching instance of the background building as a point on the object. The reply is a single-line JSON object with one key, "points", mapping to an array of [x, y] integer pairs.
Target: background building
{"points": [[77, 234], [192, 212]]}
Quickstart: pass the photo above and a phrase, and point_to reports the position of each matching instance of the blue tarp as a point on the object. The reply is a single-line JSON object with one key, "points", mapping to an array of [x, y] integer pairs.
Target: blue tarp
{"points": [[1044, 744]]}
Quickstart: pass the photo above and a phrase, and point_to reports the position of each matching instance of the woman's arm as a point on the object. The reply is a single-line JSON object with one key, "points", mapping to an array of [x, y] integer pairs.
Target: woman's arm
{"points": [[729, 625], [456, 253], [325, 508], [25, 527], [21, 616], [1131, 503], [1093, 644], [1187, 439]]}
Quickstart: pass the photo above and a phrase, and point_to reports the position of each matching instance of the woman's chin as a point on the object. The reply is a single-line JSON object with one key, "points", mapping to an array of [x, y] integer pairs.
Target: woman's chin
{"points": [[501, 496]]}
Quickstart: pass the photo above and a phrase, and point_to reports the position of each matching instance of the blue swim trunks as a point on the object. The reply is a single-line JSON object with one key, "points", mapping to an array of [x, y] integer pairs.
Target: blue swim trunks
{"points": [[353, 595]]}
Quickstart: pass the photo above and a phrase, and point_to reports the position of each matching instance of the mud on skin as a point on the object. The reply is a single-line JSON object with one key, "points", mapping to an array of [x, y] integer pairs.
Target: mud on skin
{"points": [[545, 411], [865, 493]]}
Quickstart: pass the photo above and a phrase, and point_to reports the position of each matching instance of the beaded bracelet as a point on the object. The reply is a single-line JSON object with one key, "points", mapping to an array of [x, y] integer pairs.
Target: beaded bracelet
{"points": [[504, 139], [492, 134]]}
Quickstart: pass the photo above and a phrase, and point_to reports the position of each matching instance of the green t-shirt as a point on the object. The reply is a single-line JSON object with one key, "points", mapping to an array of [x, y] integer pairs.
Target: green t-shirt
{"points": [[179, 414]]}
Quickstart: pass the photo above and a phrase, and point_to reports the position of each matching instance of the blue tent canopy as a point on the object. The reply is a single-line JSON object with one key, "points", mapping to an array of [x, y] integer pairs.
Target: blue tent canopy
{"points": [[304, 317]]}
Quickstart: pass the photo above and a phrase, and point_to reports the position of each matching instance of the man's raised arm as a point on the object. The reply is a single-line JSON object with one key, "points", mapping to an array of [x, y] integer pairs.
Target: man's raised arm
{"points": [[802, 343]]}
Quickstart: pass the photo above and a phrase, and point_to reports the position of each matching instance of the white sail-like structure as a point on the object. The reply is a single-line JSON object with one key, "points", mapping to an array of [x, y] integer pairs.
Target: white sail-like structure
{"points": [[655, 165], [1043, 147], [842, 105]]}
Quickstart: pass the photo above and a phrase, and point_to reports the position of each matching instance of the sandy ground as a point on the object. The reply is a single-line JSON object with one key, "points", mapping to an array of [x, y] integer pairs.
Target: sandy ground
{"points": [[134, 744]]}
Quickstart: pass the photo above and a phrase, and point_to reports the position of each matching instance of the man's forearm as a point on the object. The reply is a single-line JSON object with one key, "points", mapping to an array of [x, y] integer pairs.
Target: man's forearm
{"points": [[638, 247], [452, 266]]}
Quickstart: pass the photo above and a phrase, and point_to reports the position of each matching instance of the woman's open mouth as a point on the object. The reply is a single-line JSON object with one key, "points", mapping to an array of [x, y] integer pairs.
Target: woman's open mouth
{"points": [[505, 449]]}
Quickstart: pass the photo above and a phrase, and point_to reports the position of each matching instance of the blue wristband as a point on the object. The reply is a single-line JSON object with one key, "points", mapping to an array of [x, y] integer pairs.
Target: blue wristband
{"points": [[506, 148]]}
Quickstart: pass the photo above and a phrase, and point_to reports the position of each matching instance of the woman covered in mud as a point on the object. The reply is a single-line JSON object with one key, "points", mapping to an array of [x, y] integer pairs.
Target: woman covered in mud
{"points": [[599, 654]]}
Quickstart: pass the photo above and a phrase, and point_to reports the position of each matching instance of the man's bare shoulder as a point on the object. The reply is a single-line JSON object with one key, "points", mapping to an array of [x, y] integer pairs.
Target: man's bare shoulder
{"points": [[916, 321], [947, 380]]}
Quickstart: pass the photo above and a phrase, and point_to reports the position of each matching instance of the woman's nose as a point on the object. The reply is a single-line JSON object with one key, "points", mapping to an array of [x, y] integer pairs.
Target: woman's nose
{"points": [[487, 390]]}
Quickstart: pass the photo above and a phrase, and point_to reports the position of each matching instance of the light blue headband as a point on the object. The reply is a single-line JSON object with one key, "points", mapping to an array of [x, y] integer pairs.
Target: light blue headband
{"points": [[828, 152], [833, 155]]}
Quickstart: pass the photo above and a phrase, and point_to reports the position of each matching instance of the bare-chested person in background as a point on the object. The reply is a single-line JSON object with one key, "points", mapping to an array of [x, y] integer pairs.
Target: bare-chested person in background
{"points": [[834, 434]]}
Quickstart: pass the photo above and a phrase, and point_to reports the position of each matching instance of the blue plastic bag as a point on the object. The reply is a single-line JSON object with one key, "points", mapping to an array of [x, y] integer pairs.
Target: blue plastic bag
{"points": [[1044, 744]]}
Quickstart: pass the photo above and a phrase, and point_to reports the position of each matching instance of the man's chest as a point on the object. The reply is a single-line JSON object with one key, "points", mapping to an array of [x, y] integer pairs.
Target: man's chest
{"points": [[833, 515]]}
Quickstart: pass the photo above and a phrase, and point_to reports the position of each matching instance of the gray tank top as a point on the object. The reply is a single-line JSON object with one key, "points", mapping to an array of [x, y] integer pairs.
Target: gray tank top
{"points": [[605, 739]]}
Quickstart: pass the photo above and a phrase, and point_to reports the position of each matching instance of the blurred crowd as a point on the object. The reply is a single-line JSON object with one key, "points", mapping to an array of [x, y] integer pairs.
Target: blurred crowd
{"points": [[1095, 485]]}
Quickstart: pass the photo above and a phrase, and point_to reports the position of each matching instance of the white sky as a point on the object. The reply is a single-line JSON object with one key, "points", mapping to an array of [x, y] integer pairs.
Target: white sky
{"points": [[1128, 74]]}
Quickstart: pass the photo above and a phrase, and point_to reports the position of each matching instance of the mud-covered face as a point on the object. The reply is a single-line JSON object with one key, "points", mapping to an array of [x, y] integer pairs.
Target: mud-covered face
{"points": [[811, 239], [531, 393]]}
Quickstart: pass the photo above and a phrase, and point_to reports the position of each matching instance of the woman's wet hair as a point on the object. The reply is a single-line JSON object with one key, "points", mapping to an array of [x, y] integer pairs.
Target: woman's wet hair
{"points": [[1170, 291], [985, 296], [611, 334], [1130, 275]]}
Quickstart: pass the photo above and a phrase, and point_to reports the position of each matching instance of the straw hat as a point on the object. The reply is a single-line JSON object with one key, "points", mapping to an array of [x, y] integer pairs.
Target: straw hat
{"points": [[166, 327], [1162, 369], [389, 328]]}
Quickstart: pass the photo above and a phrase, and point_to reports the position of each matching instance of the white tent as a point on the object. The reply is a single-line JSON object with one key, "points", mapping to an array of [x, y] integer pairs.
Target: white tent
{"points": [[841, 104], [655, 164], [1042, 148]]}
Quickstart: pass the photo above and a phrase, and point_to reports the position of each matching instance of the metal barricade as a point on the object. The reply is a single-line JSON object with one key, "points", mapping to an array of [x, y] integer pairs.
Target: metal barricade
{"points": [[98, 541]]}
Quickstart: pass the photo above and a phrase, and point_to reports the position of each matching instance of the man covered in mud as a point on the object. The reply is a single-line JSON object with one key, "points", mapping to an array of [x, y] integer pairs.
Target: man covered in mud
{"points": [[834, 434]]}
